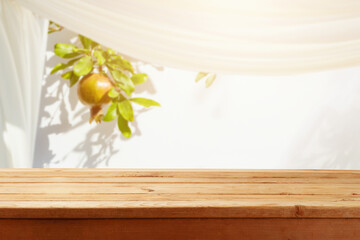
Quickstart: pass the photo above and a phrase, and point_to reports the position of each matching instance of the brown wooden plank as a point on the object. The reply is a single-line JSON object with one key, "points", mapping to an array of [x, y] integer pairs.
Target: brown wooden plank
{"points": [[144, 210], [180, 229], [185, 173], [183, 188], [29, 197], [105, 175], [236, 180], [168, 176], [179, 193]]}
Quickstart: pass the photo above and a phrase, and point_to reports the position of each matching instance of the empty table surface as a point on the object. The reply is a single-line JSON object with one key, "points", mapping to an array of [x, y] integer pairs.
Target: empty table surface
{"points": [[119, 193]]}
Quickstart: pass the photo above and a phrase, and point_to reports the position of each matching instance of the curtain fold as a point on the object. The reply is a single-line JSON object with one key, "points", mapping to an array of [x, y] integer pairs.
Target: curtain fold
{"points": [[23, 37], [267, 37]]}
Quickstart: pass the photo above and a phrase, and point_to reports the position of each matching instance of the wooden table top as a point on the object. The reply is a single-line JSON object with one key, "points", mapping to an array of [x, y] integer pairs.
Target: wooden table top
{"points": [[119, 193]]}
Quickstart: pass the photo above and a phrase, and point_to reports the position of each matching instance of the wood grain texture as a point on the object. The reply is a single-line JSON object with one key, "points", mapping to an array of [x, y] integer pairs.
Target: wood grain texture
{"points": [[180, 229], [119, 193]]}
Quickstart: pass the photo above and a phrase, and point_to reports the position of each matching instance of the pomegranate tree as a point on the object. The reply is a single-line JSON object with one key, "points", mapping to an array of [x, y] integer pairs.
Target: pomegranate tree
{"points": [[104, 78]]}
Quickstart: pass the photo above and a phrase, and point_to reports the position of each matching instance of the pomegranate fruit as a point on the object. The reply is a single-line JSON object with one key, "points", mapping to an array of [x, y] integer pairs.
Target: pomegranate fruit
{"points": [[93, 91]]}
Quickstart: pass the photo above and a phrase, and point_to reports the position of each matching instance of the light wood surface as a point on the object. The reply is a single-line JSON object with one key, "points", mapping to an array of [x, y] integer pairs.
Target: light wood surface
{"points": [[112, 193]]}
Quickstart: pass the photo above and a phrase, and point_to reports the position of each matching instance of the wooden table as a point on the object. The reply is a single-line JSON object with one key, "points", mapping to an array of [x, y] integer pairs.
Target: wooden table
{"points": [[179, 204]]}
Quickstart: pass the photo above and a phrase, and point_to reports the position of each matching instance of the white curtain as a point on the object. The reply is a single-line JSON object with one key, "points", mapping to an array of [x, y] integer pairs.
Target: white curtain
{"points": [[228, 36], [23, 38]]}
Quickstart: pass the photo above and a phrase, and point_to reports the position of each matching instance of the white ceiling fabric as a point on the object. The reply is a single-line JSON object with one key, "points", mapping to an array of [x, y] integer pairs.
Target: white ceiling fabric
{"points": [[266, 37]]}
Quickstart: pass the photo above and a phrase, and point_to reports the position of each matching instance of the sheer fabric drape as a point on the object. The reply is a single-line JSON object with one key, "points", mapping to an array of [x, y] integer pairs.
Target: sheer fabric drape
{"points": [[229, 36], [22, 53]]}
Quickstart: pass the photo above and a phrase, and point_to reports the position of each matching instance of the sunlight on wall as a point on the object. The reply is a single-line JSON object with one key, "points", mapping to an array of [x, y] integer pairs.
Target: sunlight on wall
{"points": [[303, 121]]}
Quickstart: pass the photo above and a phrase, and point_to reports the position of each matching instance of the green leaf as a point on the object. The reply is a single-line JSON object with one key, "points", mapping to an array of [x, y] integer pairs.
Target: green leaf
{"points": [[126, 65], [110, 51], [73, 80], [72, 77], [66, 50], [83, 66], [58, 67], [113, 93], [127, 88], [200, 76], [111, 112], [111, 66], [82, 50], [86, 42], [99, 56], [139, 78], [106, 55], [210, 80], [123, 81], [71, 62], [94, 44], [119, 76], [54, 27], [123, 126], [122, 63], [62, 66], [145, 102], [67, 75], [126, 110]]}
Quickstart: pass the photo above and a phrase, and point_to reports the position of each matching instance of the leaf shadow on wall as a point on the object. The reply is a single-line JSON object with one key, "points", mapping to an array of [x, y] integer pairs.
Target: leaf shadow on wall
{"points": [[332, 140], [51, 98], [97, 146]]}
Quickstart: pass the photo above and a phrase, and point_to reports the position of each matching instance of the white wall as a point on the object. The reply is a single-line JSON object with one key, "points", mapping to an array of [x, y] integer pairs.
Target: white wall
{"points": [[304, 121]]}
